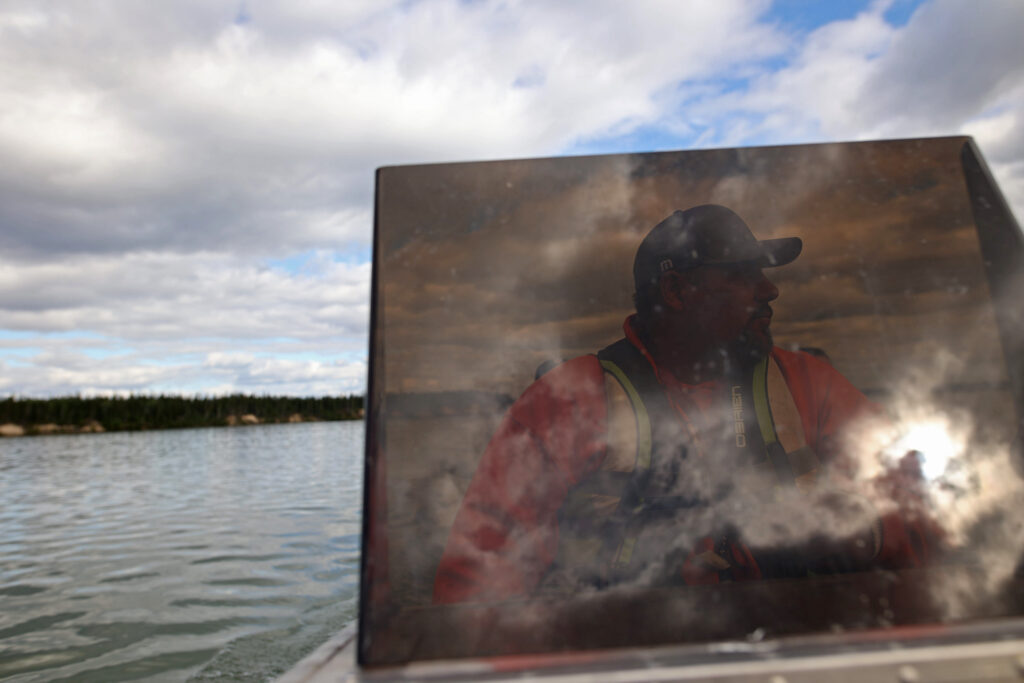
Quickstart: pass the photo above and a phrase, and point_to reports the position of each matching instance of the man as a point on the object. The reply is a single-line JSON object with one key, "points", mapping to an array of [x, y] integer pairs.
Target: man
{"points": [[691, 451]]}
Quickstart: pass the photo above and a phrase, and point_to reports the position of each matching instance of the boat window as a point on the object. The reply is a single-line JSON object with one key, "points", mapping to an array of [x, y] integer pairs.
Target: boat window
{"points": [[789, 438]]}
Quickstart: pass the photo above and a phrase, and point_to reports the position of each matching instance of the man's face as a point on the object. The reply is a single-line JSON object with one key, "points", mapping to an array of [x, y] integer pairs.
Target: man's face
{"points": [[729, 306]]}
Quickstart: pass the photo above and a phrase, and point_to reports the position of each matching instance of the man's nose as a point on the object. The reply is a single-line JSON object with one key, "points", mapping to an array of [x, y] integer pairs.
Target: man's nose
{"points": [[766, 290]]}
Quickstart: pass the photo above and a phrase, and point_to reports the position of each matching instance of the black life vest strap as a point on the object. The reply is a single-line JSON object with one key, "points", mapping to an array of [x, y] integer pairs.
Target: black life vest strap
{"points": [[634, 373]]}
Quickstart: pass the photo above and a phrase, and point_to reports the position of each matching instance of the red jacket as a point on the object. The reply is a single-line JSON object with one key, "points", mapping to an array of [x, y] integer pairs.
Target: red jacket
{"points": [[505, 535]]}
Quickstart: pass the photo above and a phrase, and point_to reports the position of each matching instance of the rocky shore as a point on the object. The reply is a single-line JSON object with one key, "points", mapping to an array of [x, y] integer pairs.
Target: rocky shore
{"points": [[11, 429]]}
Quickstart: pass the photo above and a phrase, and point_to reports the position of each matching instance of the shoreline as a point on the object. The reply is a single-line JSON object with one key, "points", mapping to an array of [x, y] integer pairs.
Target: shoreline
{"points": [[10, 430]]}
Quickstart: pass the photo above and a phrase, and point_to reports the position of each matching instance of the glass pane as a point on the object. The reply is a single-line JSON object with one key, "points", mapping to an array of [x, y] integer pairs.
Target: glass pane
{"points": [[860, 471]]}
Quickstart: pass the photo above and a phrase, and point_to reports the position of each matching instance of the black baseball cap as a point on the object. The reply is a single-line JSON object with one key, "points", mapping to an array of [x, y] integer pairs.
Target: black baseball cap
{"points": [[708, 234]]}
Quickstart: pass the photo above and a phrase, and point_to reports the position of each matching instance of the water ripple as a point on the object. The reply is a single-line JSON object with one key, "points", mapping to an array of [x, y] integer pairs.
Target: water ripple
{"points": [[146, 555]]}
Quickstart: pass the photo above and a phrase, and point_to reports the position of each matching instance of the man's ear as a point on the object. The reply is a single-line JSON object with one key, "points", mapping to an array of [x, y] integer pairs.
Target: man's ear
{"points": [[674, 289]]}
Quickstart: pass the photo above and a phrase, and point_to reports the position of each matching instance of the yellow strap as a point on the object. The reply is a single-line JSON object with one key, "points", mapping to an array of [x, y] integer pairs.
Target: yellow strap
{"points": [[643, 420], [626, 550], [789, 427], [762, 408], [643, 453]]}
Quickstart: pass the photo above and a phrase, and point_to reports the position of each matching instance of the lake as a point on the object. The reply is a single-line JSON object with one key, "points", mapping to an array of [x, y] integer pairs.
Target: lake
{"points": [[195, 554]]}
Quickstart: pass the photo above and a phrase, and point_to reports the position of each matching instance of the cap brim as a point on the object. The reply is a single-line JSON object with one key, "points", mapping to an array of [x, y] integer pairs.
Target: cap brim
{"points": [[779, 252], [763, 253]]}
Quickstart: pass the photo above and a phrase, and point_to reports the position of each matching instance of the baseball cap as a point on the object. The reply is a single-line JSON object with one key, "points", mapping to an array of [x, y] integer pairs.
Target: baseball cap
{"points": [[708, 234]]}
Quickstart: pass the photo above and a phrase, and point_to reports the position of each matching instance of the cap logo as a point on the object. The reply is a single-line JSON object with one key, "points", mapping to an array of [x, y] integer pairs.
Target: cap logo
{"points": [[666, 265]]}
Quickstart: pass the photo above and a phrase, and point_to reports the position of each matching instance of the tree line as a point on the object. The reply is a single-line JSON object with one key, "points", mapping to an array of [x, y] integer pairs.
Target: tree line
{"points": [[120, 413]]}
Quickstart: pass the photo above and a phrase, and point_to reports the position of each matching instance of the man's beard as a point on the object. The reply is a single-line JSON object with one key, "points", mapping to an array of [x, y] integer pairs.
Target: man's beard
{"points": [[749, 348], [736, 357]]}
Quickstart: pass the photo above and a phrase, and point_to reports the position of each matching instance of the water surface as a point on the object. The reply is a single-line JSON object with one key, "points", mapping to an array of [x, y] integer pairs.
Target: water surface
{"points": [[223, 554]]}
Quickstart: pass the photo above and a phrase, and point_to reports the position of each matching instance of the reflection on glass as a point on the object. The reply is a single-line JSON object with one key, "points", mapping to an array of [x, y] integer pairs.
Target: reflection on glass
{"points": [[690, 396]]}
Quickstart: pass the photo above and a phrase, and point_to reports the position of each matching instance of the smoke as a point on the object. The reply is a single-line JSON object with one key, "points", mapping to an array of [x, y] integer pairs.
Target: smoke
{"points": [[936, 455], [950, 445]]}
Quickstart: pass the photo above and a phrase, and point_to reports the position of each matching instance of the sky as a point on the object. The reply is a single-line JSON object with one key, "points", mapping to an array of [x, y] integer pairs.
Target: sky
{"points": [[186, 198]]}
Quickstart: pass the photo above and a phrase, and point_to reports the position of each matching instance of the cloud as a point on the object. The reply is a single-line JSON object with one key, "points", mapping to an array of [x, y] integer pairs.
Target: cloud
{"points": [[69, 373], [186, 145], [149, 368], [214, 134], [155, 159], [949, 70], [949, 65], [164, 296], [145, 323]]}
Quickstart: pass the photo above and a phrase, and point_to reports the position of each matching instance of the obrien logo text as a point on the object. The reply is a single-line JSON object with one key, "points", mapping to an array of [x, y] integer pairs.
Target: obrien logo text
{"points": [[737, 416]]}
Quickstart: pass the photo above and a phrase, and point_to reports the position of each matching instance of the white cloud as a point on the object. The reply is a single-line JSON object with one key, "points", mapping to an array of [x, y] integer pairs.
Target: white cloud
{"points": [[951, 63], [181, 129], [156, 155], [952, 69], [151, 296], [66, 372], [172, 322], [1000, 132]]}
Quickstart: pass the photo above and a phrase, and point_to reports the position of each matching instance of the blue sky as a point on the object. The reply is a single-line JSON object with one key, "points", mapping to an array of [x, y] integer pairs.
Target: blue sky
{"points": [[186, 199]]}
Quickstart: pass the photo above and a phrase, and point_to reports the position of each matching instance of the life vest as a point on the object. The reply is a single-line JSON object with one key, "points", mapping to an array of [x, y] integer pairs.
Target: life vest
{"points": [[604, 517]]}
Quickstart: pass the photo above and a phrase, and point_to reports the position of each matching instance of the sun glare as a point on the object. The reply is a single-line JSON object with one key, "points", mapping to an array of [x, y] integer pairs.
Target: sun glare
{"points": [[933, 441]]}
